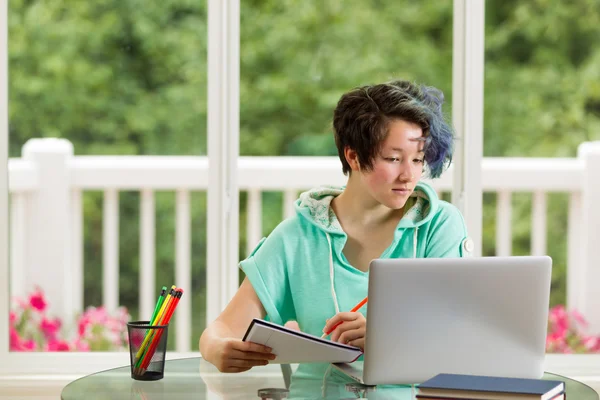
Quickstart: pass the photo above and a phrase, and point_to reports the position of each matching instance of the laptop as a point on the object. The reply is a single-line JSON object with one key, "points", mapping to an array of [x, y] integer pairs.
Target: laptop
{"points": [[477, 316]]}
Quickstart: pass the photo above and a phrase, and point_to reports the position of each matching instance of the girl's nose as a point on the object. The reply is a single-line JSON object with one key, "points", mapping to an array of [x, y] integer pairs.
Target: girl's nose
{"points": [[406, 175]]}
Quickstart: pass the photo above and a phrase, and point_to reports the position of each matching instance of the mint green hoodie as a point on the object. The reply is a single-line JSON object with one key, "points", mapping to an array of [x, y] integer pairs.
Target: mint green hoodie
{"points": [[299, 272]]}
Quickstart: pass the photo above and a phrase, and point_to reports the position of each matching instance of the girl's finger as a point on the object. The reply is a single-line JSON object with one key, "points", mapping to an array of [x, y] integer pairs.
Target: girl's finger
{"points": [[360, 343], [246, 363], [351, 335], [346, 326], [251, 355], [251, 347], [341, 317]]}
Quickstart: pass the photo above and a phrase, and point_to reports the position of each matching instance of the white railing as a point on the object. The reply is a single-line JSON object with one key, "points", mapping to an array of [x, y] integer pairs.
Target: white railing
{"points": [[46, 188]]}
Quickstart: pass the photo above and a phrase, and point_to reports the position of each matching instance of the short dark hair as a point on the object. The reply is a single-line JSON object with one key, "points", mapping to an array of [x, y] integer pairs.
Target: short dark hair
{"points": [[362, 116]]}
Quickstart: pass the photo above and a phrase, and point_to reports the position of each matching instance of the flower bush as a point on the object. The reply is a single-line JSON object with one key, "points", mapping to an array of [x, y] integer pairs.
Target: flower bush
{"points": [[567, 333], [31, 329]]}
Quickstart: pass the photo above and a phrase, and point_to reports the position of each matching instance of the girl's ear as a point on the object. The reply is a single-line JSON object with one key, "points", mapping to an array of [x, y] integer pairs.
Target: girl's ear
{"points": [[352, 159]]}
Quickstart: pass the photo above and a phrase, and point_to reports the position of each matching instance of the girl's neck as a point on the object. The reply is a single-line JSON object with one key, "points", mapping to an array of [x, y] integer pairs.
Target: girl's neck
{"points": [[355, 206]]}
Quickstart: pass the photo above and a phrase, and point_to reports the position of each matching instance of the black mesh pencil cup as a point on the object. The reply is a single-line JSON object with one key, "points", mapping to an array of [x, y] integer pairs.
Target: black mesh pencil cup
{"points": [[147, 350]]}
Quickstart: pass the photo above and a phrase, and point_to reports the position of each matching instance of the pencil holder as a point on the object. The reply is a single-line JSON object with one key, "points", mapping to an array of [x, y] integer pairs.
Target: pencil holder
{"points": [[147, 350]]}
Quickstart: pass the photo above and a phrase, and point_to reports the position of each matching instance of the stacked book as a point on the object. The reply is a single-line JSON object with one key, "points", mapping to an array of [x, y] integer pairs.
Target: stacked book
{"points": [[476, 387]]}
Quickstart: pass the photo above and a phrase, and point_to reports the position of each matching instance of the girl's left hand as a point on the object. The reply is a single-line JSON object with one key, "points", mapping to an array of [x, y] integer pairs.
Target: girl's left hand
{"points": [[351, 331]]}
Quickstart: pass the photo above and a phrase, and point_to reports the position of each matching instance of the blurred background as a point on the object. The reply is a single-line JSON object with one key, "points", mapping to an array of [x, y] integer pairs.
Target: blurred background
{"points": [[129, 77]]}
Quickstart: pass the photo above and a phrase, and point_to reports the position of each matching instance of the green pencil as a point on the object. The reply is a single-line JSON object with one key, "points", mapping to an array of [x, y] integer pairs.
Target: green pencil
{"points": [[159, 302]]}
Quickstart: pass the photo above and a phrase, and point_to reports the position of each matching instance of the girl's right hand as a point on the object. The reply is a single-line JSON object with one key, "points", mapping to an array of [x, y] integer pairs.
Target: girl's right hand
{"points": [[235, 355]]}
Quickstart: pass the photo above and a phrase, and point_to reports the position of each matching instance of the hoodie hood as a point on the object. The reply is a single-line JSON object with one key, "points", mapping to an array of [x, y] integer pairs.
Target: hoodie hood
{"points": [[314, 206]]}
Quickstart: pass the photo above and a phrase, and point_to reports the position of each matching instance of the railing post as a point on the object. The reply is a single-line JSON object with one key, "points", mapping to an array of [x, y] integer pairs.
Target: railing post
{"points": [[589, 153], [48, 247]]}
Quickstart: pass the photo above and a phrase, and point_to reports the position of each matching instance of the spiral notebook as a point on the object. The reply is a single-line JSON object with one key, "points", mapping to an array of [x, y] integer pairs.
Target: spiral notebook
{"points": [[293, 347]]}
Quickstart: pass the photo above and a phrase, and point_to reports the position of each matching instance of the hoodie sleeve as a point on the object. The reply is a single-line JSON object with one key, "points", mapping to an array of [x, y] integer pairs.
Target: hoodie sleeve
{"points": [[448, 235], [266, 269]]}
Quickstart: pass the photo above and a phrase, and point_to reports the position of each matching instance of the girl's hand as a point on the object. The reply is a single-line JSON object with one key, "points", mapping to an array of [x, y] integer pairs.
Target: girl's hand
{"points": [[351, 331], [234, 355], [293, 325]]}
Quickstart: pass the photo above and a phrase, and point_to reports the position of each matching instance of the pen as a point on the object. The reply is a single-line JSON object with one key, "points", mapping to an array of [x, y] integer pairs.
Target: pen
{"points": [[355, 309]]}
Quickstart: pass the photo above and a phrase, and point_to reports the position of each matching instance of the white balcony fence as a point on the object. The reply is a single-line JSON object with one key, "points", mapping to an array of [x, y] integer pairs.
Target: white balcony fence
{"points": [[46, 187]]}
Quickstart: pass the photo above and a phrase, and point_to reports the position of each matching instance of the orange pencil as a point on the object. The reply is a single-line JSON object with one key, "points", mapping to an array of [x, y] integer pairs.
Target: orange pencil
{"points": [[355, 309], [169, 312], [164, 321]]}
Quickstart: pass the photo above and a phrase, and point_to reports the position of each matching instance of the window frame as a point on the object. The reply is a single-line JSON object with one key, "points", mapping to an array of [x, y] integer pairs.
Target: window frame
{"points": [[223, 136], [4, 256]]}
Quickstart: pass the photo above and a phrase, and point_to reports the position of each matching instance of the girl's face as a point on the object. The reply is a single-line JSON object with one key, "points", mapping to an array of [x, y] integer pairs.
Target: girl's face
{"points": [[398, 167]]}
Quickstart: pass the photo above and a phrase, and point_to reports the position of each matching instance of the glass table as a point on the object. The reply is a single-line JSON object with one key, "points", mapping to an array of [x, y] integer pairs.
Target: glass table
{"points": [[194, 378]]}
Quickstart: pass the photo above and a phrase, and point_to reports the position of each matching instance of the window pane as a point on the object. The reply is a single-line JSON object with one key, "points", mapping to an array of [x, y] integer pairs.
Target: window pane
{"points": [[111, 78], [298, 58], [542, 99]]}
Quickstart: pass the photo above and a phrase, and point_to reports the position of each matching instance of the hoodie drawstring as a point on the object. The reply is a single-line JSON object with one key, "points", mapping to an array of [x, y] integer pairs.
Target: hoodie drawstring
{"points": [[333, 294], [331, 273], [415, 242]]}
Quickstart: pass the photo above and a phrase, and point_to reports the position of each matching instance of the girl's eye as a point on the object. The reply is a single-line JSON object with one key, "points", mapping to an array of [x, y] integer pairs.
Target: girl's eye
{"points": [[393, 159], [418, 160]]}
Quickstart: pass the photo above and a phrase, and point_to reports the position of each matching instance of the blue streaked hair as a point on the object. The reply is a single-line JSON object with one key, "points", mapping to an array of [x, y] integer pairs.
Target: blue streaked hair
{"points": [[361, 120]]}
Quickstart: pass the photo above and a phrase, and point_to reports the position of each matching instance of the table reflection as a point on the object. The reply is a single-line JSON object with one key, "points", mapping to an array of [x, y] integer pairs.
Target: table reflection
{"points": [[322, 381], [310, 381], [194, 378]]}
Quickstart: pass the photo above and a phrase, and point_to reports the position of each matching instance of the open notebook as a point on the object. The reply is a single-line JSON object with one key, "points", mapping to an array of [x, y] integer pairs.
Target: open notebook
{"points": [[293, 347]]}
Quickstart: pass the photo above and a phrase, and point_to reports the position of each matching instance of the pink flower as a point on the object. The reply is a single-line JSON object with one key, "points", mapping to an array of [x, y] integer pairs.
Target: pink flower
{"points": [[12, 318], [567, 332], [559, 318], [96, 315], [591, 343], [558, 334], [15, 340], [50, 328], [579, 319], [80, 345], [37, 301], [555, 342], [82, 325], [17, 343], [29, 345], [57, 345]]}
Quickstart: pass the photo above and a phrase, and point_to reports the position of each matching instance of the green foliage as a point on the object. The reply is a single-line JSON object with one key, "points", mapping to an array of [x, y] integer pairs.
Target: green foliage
{"points": [[114, 77], [129, 77], [297, 58], [542, 86]]}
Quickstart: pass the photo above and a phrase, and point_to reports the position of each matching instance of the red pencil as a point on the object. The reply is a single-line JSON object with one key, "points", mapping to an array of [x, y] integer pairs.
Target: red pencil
{"points": [[355, 309]]}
